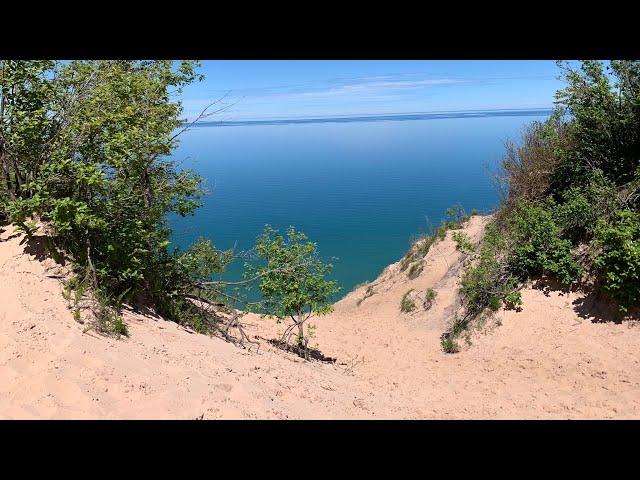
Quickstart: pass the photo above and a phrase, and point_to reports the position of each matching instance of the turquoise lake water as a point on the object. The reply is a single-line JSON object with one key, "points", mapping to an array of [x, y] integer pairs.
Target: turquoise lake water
{"points": [[362, 190]]}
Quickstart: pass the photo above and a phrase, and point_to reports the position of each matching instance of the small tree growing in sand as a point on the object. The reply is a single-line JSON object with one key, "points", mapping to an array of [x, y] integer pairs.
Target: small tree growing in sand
{"points": [[292, 282]]}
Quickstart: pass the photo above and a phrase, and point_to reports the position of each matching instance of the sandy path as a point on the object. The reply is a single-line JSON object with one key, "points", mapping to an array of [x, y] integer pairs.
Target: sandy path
{"points": [[548, 361]]}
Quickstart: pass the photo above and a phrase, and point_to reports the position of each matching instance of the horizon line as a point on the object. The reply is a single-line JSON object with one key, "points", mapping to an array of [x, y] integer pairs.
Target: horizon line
{"points": [[442, 114]]}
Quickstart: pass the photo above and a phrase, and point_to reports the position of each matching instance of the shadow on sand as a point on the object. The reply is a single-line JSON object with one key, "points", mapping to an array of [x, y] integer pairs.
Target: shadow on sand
{"points": [[547, 285], [314, 353], [592, 305], [600, 309], [3, 223], [41, 247]]}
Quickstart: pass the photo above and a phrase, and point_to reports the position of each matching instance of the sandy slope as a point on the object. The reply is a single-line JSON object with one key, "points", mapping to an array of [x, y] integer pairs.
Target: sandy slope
{"points": [[552, 360]]}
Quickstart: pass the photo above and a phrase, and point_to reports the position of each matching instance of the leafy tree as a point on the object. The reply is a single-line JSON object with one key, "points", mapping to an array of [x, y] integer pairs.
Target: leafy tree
{"points": [[109, 186], [604, 121], [26, 124], [292, 281], [84, 147], [573, 186]]}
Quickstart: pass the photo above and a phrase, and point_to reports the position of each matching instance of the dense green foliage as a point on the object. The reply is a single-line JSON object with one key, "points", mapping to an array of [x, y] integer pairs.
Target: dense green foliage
{"points": [[84, 148], [571, 211], [619, 259], [537, 245]]}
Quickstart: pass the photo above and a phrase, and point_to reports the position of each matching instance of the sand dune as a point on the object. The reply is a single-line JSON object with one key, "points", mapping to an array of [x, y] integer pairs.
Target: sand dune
{"points": [[557, 358]]}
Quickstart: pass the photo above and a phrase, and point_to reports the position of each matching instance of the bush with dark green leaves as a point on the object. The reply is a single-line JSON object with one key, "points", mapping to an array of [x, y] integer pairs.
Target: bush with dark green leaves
{"points": [[619, 259], [537, 244], [572, 197], [85, 148], [582, 206]]}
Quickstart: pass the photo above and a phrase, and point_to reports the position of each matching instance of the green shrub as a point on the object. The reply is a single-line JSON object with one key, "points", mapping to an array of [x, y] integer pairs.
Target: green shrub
{"points": [[539, 248], [463, 243], [99, 174], [292, 281], [449, 345], [429, 297], [486, 282], [415, 270], [582, 206], [407, 304], [619, 260], [119, 328], [454, 217], [512, 300], [448, 340], [572, 195]]}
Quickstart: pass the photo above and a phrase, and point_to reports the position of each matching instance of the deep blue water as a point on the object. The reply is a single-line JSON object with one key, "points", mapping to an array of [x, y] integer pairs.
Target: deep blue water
{"points": [[360, 189]]}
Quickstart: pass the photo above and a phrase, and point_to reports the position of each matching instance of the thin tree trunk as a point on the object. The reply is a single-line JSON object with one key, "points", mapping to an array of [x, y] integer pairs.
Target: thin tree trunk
{"points": [[6, 175], [19, 179], [302, 344]]}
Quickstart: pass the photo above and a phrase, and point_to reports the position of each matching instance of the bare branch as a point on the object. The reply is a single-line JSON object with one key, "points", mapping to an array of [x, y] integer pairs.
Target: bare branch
{"points": [[205, 114]]}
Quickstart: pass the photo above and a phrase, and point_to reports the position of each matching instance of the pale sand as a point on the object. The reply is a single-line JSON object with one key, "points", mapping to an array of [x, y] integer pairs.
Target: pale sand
{"points": [[548, 361]]}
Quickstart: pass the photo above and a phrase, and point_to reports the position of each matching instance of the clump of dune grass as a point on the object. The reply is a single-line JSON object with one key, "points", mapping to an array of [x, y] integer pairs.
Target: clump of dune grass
{"points": [[369, 292], [449, 340], [455, 218], [429, 297], [415, 270], [407, 304]]}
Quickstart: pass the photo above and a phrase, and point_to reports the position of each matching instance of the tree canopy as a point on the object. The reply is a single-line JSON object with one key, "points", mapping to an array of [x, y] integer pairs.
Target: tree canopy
{"points": [[292, 281]]}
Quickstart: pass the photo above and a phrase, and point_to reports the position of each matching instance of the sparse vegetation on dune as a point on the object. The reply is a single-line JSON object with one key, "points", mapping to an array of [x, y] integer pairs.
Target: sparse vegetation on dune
{"points": [[415, 270], [369, 292], [455, 217], [463, 244]]}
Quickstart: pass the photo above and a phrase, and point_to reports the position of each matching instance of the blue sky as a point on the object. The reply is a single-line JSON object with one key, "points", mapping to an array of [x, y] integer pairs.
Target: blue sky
{"points": [[265, 89]]}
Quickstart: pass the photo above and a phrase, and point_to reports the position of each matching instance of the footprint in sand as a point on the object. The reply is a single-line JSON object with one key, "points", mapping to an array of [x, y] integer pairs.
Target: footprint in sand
{"points": [[225, 387]]}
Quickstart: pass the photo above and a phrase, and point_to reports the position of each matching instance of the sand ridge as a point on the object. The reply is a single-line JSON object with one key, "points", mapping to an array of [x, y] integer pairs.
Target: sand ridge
{"points": [[554, 359]]}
